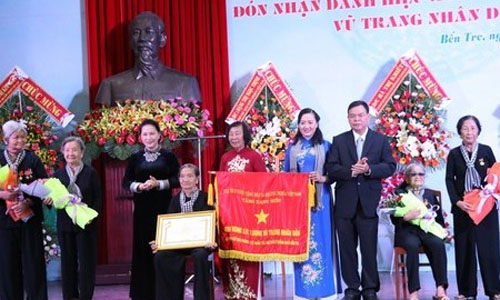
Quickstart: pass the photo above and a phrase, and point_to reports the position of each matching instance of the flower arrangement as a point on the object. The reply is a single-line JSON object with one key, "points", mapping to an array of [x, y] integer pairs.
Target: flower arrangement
{"points": [[271, 128], [414, 127], [115, 129]]}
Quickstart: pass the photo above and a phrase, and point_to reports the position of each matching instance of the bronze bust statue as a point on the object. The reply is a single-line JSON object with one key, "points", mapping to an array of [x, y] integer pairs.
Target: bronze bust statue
{"points": [[149, 78]]}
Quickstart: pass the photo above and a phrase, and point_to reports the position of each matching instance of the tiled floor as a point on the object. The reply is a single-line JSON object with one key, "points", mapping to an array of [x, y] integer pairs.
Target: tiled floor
{"points": [[274, 289]]}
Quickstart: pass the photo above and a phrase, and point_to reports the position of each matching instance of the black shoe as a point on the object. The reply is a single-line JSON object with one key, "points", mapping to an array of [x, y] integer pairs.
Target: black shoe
{"points": [[370, 296], [352, 297]]}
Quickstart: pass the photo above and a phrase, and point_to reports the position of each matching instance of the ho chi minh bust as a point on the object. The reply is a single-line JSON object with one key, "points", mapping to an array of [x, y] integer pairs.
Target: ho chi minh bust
{"points": [[149, 78]]}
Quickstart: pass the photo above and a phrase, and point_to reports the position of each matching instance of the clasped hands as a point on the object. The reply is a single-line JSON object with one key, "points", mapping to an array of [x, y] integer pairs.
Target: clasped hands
{"points": [[360, 167], [20, 206], [151, 183]]}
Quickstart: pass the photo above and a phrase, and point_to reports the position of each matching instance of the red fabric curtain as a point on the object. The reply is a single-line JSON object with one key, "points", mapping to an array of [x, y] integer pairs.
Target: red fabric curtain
{"points": [[196, 44]]}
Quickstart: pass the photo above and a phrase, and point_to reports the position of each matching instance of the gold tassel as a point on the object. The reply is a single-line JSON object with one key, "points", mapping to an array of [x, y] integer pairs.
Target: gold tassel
{"points": [[210, 200], [312, 193]]}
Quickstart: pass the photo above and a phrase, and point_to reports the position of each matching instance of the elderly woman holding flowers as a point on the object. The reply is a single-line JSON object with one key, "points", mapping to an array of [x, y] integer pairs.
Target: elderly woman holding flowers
{"points": [[151, 175], [411, 237], [466, 170], [22, 262], [78, 246]]}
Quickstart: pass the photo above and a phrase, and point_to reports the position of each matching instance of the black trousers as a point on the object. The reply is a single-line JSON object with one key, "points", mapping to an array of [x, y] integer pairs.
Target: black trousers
{"points": [[78, 263], [349, 230], [170, 271], [484, 237], [22, 263], [411, 239]]}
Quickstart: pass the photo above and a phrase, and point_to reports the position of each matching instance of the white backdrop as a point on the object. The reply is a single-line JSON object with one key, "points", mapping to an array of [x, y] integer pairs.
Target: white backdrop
{"points": [[331, 52]]}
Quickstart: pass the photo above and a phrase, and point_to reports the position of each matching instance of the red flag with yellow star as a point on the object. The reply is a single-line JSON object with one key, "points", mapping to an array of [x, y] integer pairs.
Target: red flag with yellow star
{"points": [[264, 216]]}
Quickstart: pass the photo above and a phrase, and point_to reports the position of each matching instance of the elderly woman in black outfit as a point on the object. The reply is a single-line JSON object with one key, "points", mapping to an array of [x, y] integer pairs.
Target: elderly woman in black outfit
{"points": [[169, 264], [22, 262], [78, 246], [151, 175], [466, 170], [412, 237]]}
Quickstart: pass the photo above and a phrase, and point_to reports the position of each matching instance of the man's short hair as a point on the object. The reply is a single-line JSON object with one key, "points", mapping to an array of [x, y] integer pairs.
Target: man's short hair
{"points": [[358, 103]]}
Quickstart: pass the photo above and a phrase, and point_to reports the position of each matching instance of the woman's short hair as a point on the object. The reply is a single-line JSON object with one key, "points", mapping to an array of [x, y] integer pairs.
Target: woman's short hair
{"points": [[462, 120], [149, 122], [411, 168], [11, 127], [247, 137], [190, 166], [76, 139]]}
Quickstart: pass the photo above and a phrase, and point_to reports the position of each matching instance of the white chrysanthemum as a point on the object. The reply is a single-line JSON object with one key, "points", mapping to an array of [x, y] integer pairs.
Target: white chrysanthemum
{"points": [[428, 150]]}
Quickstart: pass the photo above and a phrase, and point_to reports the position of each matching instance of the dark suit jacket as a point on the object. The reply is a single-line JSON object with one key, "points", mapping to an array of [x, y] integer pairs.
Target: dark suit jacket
{"points": [[365, 188], [90, 187], [403, 227], [455, 172], [199, 205]]}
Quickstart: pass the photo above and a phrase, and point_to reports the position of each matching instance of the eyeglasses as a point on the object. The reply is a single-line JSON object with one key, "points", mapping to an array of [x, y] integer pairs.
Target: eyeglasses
{"points": [[417, 174]]}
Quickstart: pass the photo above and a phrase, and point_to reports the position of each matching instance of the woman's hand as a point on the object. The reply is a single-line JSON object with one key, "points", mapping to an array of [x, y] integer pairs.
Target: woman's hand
{"points": [[412, 214], [7, 195], [211, 246], [47, 201], [317, 177], [20, 207], [151, 183], [467, 207], [154, 247]]}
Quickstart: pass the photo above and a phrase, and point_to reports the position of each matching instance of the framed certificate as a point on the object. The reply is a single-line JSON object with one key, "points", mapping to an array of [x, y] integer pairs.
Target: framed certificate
{"points": [[185, 230]]}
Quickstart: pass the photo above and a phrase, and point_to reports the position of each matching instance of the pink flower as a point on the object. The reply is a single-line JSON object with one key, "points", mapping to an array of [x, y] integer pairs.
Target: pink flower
{"points": [[168, 118], [192, 119], [200, 132], [180, 108], [187, 110], [178, 120]]}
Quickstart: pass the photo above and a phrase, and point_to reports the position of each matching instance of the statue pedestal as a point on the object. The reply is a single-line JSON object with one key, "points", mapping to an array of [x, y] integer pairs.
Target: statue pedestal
{"points": [[115, 243]]}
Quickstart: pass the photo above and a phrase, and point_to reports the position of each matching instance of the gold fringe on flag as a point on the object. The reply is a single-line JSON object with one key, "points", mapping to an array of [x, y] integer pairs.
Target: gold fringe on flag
{"points": [[311, 193]]}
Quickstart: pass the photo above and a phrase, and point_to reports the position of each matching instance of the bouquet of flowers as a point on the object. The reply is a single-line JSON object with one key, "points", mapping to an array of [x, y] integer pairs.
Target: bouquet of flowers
{"points": [[271, 128], [414, 127], [50, 246], [115, 130]]}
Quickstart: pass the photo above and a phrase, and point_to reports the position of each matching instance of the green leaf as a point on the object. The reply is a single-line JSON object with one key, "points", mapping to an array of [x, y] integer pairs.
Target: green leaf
{"points": [[121, 152]]}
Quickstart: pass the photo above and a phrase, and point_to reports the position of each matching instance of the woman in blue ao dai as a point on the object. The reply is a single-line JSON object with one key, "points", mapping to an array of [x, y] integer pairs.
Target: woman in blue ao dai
{"points": [[319, 275]]}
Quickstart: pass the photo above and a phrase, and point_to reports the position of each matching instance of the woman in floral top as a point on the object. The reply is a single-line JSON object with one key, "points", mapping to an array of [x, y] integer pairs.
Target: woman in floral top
{"points": [[319, 276], [240, 278]]}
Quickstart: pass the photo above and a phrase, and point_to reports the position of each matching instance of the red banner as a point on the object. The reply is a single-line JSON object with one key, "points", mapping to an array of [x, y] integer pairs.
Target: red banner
{"points": [[387, 88], [17, 79], [408, 63], [10, 84], [425, 77], [50, 105], [265, 75], [264, 216], [247, 99], [279, 89]]}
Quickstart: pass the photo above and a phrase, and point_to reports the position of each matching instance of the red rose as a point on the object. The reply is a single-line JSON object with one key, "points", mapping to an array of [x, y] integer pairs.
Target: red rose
{"points": [[120, 140], [136, 128], [166, 132], [101, 141], [131, 139], [124, 132]]}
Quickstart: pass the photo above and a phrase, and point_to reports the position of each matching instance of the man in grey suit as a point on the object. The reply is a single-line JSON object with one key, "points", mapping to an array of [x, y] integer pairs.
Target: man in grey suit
{"points": [[149, 78], [357, 161]]}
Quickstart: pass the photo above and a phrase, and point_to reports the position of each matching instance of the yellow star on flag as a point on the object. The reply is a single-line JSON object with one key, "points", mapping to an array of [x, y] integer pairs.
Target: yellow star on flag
{"points": [[261, 217]]}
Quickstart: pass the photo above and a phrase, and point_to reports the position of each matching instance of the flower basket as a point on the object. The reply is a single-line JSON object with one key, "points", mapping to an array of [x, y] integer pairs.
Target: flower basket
{"points": [[115, 130]]}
